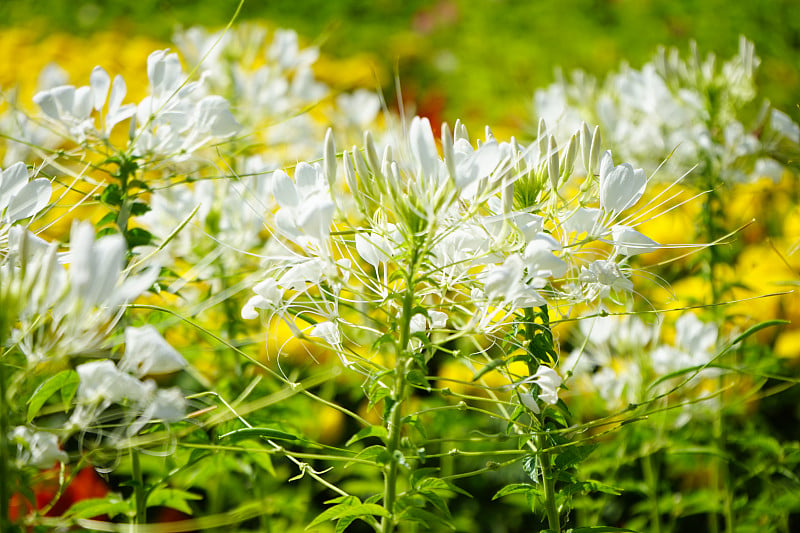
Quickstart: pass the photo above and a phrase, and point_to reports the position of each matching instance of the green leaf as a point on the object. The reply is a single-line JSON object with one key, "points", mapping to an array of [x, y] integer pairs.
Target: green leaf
{"points": [[494, 363], [758, 327], [138, 184], [112, 195], [418, 378], [255, 433], [600, 529], [138, 237], [139, 208], [111, 505], [350, 509], [573, 455], [65, 381], [370, 431], [415, 514], [108, 218], [515, 488], [172, 498]]}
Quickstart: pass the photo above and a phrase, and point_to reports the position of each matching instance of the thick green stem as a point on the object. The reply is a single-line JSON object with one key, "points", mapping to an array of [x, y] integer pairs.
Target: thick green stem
{"points": [[549, 485], [139, 494]]}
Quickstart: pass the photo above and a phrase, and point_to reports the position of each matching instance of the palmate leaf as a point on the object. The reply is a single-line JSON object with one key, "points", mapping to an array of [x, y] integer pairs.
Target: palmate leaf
{"points": [[65, 381]]}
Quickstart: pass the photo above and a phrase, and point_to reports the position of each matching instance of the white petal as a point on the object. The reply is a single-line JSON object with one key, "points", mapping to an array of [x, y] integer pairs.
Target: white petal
{"points": [[29, 200], [621, 187], [99, 81], [423, 146], [328, 331], [148, 353], [284, 189], [13, 179], [630, 242], [47, 102]]}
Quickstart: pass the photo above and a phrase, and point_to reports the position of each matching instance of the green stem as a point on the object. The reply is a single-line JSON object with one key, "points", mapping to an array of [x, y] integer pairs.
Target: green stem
{"points": [[139, 494], [395, 423], [652, 486], [5, 493], [549, 484]]}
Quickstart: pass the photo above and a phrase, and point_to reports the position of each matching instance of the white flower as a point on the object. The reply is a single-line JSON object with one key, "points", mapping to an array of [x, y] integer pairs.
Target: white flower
{"points": [[327, 331], [102, 382], [37, 448], [268, 296], [630, 242], [505, 283], [306, 207], [166, 405], [603, 276], [620, 186], [548, 382], [148, 353], [20, 198]]}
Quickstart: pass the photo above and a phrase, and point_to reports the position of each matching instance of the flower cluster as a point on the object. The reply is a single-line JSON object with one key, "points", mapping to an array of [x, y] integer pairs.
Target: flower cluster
{"points": [[478, 235], [685, 113]]}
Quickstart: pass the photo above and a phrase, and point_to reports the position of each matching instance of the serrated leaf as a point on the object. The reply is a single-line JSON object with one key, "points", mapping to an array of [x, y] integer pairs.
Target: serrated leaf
{"points": [[370, 431], [66, 381]]}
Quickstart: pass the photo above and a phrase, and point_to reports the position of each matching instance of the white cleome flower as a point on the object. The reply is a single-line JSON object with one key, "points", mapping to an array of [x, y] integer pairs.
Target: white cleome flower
{"points": [[148, 353], [37, 448]]}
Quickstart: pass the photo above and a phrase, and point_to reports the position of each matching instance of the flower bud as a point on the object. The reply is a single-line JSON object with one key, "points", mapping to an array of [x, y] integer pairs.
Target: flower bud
{"points": [[552, 163], [594, 152], [568, 158], [330, 158]]}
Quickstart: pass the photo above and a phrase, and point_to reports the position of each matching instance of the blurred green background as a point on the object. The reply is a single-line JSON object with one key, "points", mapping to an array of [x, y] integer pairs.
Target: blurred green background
{"points": [[478, 60]]}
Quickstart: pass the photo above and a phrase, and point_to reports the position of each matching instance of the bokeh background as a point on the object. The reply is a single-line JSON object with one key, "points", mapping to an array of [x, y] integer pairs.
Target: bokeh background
{"points": [[478, 61]]}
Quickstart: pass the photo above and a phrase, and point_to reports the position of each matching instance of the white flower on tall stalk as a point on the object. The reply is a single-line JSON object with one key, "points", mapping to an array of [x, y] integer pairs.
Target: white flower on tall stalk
{"points": [[37, 448]]}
